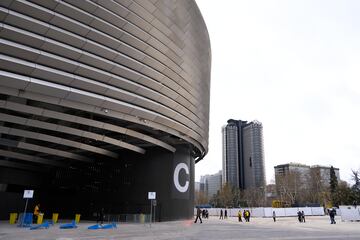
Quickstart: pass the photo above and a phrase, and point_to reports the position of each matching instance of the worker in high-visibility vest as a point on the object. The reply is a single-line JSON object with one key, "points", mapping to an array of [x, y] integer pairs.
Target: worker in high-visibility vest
{"points": [[239, 216], [36, 212]]}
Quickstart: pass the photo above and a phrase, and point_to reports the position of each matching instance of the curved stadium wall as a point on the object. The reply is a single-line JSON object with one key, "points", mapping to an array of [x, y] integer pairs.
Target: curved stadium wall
{"points": [[101, 102]]}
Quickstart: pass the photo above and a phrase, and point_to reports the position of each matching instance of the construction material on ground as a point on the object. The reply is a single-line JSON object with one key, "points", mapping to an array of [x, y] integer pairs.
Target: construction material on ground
{"points": [[102, 226], [68, 225], [45, 225]]}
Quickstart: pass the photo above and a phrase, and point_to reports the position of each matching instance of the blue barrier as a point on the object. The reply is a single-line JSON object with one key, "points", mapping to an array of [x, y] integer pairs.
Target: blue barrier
{"points": [[68, 225], [95, 227], [109, 226], [99, 226], [25, 222], [40, 226]]}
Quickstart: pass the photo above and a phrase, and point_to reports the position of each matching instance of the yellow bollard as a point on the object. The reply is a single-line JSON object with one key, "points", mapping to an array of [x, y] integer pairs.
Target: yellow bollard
{"points": [[55, 217], [142, 218], [40, 218], [13, 217], [77, 218]]}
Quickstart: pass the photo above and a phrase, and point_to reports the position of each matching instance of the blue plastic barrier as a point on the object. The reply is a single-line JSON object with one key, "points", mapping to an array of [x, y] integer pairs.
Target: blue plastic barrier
{"points": [[40, 226], [99, 226], [109, 226], [95, 227], [68, 225], [25, 222]]}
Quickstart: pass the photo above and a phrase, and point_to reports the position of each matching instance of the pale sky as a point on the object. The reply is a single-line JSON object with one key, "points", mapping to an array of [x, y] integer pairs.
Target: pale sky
{"points": [[293, 65]]}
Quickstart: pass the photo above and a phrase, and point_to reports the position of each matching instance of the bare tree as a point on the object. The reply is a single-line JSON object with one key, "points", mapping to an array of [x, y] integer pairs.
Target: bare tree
{"points": [[226, 195], [356, 179], [201, 198], [254, 197], [288, 187], [316, 190]]}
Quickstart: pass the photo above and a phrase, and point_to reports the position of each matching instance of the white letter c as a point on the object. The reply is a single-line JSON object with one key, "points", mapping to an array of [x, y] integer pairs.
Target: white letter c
{"points": [[176, 177]]}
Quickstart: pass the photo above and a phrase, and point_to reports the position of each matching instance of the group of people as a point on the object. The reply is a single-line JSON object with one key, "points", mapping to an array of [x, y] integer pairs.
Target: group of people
{"points": [[223, 215], [205, 213], [301, 216], [245, 214]]}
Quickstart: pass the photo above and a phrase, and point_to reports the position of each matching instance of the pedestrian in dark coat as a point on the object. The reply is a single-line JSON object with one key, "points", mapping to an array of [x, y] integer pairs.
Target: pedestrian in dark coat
{"points": [[274, 216], [225, 214], [332, 213], [299, 216], [221, 214], [198, 215], [303, 216]]}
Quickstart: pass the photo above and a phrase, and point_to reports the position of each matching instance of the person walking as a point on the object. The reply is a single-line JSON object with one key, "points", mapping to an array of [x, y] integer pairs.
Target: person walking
{"points": [[299, 216], [302, 216], [332, 213], [198, 215], [239, 216], [274, 216], [221, 214], [225, 214]]}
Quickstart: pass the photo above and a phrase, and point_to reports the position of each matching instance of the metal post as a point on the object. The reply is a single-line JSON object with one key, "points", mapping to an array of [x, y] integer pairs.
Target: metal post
{"points": [[150, 212], [23, 219], [154, 214]]}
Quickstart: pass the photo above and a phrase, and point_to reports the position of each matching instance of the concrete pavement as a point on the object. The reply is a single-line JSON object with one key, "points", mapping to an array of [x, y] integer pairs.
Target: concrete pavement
{"points": [[213, 228]]}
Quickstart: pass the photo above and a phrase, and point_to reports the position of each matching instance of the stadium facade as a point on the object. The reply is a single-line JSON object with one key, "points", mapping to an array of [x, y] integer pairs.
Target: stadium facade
{"points": [[102, 102]]}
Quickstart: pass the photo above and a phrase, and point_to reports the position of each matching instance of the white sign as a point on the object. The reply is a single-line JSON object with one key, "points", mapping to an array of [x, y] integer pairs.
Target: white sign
{"points": [[28, 193], [176, 177], [151, 195]]}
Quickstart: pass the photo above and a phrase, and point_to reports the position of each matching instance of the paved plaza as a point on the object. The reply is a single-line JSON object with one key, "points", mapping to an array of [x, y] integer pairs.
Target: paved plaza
{"points": [[213, 228]]}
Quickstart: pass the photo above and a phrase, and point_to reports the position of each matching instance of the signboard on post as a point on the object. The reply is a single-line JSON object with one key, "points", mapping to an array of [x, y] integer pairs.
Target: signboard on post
{"points": [[28, 193], [152, 195], [152, 198]]}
